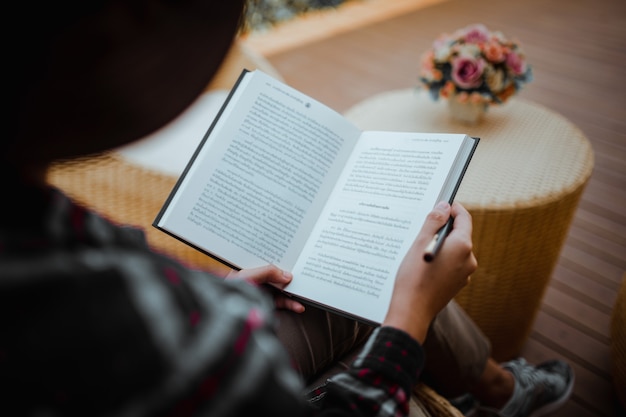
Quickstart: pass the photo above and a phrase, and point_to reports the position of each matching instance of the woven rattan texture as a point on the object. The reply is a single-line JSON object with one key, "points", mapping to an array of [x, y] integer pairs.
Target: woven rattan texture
{"points": [[126, 194], [527, 155], [505, 293], [433, 403]]}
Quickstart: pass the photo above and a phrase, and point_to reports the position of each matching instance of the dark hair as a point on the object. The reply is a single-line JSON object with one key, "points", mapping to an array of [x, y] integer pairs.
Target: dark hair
{"points": [[87, 76]]}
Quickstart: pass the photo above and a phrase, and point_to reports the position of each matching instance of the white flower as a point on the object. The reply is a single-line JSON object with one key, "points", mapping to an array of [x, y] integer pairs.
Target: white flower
{"points": [[494, 79], [443, 53], [468, 50]]}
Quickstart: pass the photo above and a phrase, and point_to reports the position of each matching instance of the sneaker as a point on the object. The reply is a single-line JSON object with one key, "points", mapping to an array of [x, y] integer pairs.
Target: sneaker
{"points": [[539, 390]]}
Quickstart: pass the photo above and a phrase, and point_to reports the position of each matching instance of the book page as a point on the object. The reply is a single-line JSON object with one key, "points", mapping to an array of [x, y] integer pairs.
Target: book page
{"points": [[259, 182], [391, 183]]}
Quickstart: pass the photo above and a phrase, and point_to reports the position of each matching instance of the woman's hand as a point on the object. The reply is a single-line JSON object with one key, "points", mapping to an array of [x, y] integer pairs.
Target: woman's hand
{"points": [[422, 288], [276, 279]]}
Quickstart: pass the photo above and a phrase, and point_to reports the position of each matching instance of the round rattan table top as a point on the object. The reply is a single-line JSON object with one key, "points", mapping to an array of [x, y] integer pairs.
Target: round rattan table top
{"points": [[528, 155]]}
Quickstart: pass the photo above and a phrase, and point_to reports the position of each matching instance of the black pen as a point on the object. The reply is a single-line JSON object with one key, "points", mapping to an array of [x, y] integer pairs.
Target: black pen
{"points": [[433, 247]]}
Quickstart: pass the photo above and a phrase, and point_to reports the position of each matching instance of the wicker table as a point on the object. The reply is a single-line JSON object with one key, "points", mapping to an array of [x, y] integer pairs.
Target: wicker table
{"points": [[522, 189]]}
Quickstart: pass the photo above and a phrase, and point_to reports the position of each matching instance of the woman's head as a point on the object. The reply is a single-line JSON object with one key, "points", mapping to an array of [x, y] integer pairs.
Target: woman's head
{"points": [[87, 76]]}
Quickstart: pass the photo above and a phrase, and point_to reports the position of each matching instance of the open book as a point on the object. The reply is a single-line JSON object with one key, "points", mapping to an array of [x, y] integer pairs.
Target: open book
{"points": [[281, 178]]}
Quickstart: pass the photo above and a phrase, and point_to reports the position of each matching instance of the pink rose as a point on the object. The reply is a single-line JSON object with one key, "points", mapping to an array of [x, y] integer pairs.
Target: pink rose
{"points": [[515, 63], [467, 71], [476, 34]]}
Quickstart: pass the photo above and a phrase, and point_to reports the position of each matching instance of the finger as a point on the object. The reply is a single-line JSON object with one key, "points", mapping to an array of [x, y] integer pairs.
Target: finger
{"points": [[437, 217], [462, 220], [462, 235], [268, 274], [287, 303]]}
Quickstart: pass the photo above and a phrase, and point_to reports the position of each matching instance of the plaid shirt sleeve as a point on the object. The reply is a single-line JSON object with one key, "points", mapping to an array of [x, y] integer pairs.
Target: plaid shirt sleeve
{"points": [[93, 323], [131, 337], [379, 381]]}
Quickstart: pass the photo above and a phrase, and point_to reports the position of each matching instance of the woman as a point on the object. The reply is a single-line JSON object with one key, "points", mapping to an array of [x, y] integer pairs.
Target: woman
{"points": [[94, 323]]}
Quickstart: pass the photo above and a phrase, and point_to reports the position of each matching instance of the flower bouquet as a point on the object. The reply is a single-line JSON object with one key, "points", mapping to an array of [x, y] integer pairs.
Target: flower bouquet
{"points": [[474, 66]]}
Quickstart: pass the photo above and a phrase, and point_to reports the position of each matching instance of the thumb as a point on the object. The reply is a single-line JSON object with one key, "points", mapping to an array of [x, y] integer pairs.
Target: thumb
{"points": [[267, 274], [437, 218]]}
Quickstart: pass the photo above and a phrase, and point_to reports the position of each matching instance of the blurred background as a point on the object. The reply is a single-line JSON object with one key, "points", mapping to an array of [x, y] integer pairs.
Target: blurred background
{"points": [[263, 14]]}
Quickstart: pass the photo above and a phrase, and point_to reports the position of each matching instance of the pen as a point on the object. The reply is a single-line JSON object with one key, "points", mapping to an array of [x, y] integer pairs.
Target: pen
{"points": [[433, 247]]}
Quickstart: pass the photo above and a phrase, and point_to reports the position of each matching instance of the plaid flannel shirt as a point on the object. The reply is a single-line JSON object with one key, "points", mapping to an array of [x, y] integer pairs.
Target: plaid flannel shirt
{"points": [[94, 323]]}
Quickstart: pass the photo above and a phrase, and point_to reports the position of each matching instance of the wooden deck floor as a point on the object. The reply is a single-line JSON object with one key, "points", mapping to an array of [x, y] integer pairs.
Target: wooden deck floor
{"points": [[578, 51]]}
